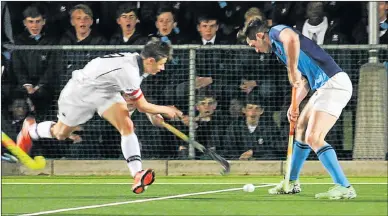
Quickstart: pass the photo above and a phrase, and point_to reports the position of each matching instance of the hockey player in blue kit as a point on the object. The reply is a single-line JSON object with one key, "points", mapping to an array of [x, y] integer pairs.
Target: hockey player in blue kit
{"points": [[309, 67]]}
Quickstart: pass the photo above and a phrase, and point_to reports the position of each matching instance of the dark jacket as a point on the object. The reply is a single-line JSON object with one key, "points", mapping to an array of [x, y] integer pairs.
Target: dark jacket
{"points": [[173, 37], [94, 38], [36, 67], [135, 39], [220, 40], [262, 141]]}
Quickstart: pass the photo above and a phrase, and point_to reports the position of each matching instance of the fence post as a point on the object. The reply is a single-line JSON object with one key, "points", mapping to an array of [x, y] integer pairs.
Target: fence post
{"points": [[192, 102], [373, 26]]}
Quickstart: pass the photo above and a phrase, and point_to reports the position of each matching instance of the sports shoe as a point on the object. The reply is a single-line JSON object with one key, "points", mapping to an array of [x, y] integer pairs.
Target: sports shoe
{"points": [[23, 139], [338, 192], [278, 189], [142, 180]]}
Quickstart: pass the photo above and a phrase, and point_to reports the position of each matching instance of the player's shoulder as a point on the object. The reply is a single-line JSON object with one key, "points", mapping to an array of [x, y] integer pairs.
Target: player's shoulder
{"points": [[275, 31], [279, 27]]}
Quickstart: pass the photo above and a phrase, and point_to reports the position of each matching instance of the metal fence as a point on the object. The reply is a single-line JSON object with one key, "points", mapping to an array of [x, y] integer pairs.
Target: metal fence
{"points": [[218, 87]]}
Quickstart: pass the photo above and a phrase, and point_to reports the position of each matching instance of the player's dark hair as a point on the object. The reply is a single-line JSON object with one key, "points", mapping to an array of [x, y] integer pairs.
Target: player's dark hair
{"points": [[126, 8], [253, 27], [157, 49], [33, 12]]}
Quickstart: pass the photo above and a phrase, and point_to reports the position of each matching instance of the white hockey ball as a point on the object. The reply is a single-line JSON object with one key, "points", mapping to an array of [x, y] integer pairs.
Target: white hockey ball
{"points": [[249, 188]]}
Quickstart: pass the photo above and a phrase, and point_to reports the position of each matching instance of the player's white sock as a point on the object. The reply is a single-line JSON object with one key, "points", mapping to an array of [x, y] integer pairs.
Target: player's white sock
{"points": [[41, 130], [131, 151]]}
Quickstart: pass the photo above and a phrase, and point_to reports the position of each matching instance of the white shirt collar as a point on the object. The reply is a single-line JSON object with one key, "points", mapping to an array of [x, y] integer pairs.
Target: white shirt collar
{"points": [[212, 40]]}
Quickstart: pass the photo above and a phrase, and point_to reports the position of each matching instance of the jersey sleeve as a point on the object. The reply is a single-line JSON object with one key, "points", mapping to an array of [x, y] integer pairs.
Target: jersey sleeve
{"points": [[130, 84], [274, 32]]}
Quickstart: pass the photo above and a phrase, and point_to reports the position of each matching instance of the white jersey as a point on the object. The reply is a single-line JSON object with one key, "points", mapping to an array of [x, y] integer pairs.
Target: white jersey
{"points": [[113, 73]]}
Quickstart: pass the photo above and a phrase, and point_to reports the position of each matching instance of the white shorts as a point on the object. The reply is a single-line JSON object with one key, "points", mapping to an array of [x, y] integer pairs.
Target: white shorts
{"points": [[78, 103], [333, 96]]}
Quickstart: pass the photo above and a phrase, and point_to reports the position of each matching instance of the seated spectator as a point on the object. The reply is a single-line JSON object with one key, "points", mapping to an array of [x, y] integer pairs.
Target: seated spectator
{"points": [[166, 25], [207, 27], [212, 66], [252, 137], [35, 70], [127, 18], [360, 32], [319, 28], [82, 33], [208, 124]]}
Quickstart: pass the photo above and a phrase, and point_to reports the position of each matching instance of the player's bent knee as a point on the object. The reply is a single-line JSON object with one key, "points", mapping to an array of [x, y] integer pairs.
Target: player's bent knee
{"points": [[60, 136], [314, 140]]}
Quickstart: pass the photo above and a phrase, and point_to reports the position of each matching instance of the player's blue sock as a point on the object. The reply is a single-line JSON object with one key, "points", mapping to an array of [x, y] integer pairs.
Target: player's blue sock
{"points": [[299, 156], [328, 157]]}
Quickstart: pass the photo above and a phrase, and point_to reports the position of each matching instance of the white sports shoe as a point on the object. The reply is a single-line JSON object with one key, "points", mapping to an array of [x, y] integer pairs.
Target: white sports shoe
{"points": [[278, 189], [338, 192]]}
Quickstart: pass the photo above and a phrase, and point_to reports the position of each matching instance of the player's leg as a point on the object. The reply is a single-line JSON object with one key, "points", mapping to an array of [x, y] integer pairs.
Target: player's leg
{"points": [[32, 131], [117, 114], [300, 151], [333, 97], [319, 125], [72, 111]]}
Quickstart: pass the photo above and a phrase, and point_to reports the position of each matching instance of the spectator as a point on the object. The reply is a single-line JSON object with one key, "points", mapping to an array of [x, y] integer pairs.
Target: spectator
{"points": [[360, 32], [212, 66], [207, 27], [82, 34], [254, 136], [166, 25], [207, 122], [319, 28], [127, 18], [35, 70]]}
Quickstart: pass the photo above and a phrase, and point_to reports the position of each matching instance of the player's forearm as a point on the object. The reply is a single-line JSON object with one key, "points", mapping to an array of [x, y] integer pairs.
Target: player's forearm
{"points": [[152, 108], [302, 91]]}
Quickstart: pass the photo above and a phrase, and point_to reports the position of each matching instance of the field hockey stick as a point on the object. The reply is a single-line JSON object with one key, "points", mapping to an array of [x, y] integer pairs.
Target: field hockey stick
{"points": [[286, 182], [37, 163], [224, 163]]}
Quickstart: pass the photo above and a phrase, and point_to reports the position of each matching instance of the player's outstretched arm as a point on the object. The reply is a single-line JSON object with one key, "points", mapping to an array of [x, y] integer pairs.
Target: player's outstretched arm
{"points": [[145, 107], [291, 46]]}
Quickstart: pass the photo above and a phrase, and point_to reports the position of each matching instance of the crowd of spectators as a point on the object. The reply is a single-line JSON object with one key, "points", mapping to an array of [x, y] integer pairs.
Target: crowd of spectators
{"points": [[238, 93]]}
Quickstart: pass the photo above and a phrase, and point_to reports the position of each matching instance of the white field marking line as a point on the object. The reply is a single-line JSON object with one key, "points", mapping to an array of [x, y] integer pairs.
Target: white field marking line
{"points": [[166, 183], [138, 201]]}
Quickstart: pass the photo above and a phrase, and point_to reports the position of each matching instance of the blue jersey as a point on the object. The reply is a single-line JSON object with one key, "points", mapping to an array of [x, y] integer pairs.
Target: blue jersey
{"points": [[313, 62]]}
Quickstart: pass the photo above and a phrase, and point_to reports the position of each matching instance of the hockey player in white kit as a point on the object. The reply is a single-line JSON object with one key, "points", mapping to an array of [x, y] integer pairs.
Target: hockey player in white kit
{"points": [[98, 87]]}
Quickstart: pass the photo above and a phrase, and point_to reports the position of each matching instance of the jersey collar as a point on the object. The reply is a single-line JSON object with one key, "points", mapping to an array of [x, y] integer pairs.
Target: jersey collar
{"points": [[141, 65]]}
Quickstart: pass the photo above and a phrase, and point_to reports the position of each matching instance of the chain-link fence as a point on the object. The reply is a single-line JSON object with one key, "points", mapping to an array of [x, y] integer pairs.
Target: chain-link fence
{"points": [[235, 101]]}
